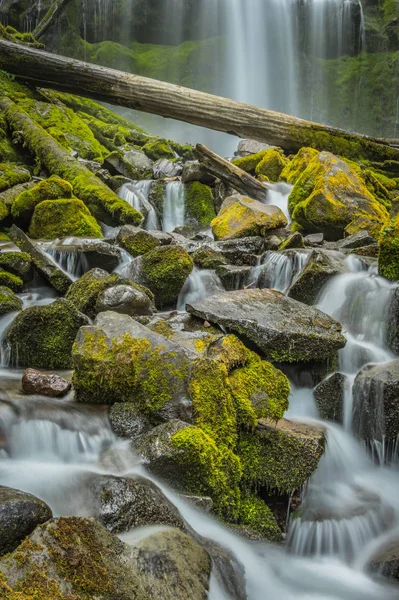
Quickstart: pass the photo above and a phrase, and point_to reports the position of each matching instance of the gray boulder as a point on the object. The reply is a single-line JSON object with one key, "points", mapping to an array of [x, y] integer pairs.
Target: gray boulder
{"points": [[166, 168], [320, 267], [20, 513], [329, 395], [138, 160], [314, 239], [91, 254], [247, 147], [124, 299], [386, 560], [283, 329], [127, 422], [193, 171], [233, 277], [357, 240]]}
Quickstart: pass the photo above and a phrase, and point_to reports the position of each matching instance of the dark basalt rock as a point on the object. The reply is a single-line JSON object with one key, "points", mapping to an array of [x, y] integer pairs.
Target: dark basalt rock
{"points": [[20, 513], [45, 384]]}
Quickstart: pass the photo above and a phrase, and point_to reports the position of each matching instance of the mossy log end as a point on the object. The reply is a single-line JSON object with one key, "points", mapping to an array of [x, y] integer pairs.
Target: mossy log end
{"points": [[102, 202], [184, 104], [231, 174]]}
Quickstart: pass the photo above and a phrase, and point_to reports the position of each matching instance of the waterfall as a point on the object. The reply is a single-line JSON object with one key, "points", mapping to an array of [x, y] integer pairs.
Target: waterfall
{"points": [[279, 270], [174, 206], [277, 195], [199, 284], [137, 195]]}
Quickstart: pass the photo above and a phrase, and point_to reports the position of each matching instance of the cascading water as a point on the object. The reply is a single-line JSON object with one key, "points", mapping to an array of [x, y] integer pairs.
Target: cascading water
{"points": [[278, 270], [174, 206], [200, 283], [137, 195]]}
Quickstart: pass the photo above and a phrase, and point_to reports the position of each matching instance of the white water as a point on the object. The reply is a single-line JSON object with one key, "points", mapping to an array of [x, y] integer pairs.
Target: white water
{"points": [[279, 271], [137, 195], [174, 206], [199, 284], [277, 194]]}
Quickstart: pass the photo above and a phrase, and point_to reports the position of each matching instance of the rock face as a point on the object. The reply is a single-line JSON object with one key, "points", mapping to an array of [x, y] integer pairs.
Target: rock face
{"points": [[320, 267], [241, 216], [17, 263], [388, 257], [330, 197], [45, 384], [119, 360], [99, 565], [124, 299], [283, 329], [122, 504], [20, 513], [42, 336], [329, 396], [376, 402]]}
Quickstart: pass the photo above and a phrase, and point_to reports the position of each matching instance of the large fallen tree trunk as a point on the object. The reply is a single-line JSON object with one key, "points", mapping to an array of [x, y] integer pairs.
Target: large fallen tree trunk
{"points": [[230, 174], [184, 104], [102, 202]]}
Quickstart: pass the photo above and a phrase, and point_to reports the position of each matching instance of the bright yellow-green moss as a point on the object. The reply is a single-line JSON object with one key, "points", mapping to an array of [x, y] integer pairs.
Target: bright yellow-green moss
{"points": [[10, 280], [249, 163], [388, 257], [8, 152], [272, 164], [158, 149], [53, 188], [60, 218], [230, 351], [376, 184], [9, 301], [293, 241], [139, 243], [208, 470], [11, 175], [18, 263], [199, 206], [257, 518], [298, 164], [164, 270]]}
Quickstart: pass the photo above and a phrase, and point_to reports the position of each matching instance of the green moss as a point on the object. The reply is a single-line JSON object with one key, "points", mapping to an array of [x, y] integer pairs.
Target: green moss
{"points": [[249, 163], [388, 257], [48, 189], [257, 518], [164, 271], [293, 241], [158, 149], [299, 163], [18, 263], [11, 175], [61, 218], [207, 258], [139, 243], [10, 280], [272, 164], [206, 470], [199, 207], [42, 336], [9, 302], [8, 152]]}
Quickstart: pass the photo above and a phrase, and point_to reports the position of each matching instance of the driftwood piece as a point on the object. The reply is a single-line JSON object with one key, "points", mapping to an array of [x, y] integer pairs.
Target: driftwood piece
{"points": [[230, 174], [184, 104]]}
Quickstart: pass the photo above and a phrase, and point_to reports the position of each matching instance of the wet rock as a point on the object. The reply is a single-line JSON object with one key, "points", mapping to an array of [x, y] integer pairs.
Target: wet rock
{"points": [[208, 258], [329, 395], [119, 360], [320, 267], [280, 456], [241, 216], [20, 513], [314, 239], [9, 301], [272, 242], [221, 192], [234, 278], [358, 240], [295, 240], [124, 299], [243, 251], [116, 164], [337, 200], [137, 241], [376, 402], [193, 171], [202, 502], [127, 422], [17, 263], [282, 328], [94, 254], [45, 384], [386, 560], [246, 147], [42, 336], [100, 565], [166, 168], [370, 251], [122, 504], [138, 160]]}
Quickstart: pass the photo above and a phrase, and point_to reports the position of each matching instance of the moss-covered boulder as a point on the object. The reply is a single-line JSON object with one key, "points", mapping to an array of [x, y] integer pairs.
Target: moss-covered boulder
{"points": [[280, 456], [61, 218], [87, 293], [137, 241], [126, 300], [272, 164], [199, 206], [388, 257], [119, 360], [318, 270], [295, 240], [42, 336], [189, 459], [10, 280], [18, 263], [158, 149], [299, 163], [11, 174], [164, 271], [250, 162], [330, 195], [256, 521], [53, 188], [241, 216], [9, 302], [208, 258]]}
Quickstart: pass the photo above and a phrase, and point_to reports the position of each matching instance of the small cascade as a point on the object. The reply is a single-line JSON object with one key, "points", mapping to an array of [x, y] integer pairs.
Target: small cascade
{"points": [[73, 263], [279, 270], [277, 195], [137, 195], [174, 206], [199, 284]]}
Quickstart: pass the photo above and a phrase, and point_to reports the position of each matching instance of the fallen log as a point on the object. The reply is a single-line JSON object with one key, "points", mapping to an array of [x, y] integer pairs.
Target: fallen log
{"points": [[184, 104], [102, 202], [230, 174]]}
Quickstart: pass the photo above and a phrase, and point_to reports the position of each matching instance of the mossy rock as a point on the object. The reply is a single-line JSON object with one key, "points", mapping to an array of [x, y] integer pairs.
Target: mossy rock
{"points": [[241, 216], [272, 165], [200, 207], [8, 152], [330, 195], [42, 336], [11, 281], [320, 267], [158, 149], [61, 218], [256, 521], [85, 292], [299, 163], [295, 240], [280, 456], [136, 241], [250, 162], [164, 271], [11, 175], [388, 256], [53, 188], [208, 258], [18, 263], [9, 302]]}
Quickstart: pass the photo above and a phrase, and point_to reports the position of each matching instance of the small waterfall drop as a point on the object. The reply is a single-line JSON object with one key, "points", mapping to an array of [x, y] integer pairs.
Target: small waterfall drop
{"points": [[278, 196], [174, 206], [137, 195], [279, 270], [199, 284]]}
